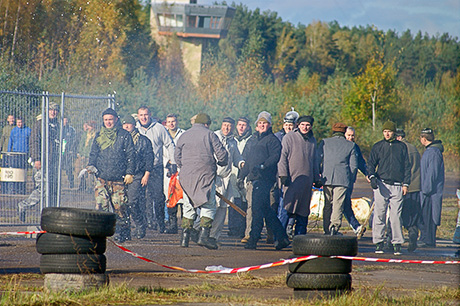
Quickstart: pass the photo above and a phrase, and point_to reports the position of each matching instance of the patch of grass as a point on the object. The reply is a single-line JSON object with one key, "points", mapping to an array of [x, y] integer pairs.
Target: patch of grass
{"points": [[448, 219]]}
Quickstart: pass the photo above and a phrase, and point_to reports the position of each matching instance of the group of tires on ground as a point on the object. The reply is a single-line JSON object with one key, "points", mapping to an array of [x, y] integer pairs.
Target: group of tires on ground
{"points": [[72, 249], [72, 254]]}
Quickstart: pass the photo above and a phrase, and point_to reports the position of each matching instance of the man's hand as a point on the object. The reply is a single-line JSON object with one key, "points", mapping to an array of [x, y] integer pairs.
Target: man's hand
{"points": [[38, 165], [128, 179], [405, 189], [91, 169], [318, 184], [374, 183], [145, 179]]}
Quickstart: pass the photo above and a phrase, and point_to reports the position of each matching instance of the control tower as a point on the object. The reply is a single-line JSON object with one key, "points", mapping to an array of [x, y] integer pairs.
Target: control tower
{"points": [[196, 26]]}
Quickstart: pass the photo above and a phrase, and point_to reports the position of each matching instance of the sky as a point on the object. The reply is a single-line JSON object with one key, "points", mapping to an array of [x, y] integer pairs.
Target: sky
{"points": [[428, 16]]}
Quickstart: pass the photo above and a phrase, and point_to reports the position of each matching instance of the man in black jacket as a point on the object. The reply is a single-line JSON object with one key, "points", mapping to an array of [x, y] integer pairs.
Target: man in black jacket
{"points": [[144, 166], [112, 160], [262, 154], [389, 174]]}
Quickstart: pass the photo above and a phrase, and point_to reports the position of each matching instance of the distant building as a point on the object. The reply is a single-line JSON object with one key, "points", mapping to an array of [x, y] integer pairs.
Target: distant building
{"points": [[195, 25]]}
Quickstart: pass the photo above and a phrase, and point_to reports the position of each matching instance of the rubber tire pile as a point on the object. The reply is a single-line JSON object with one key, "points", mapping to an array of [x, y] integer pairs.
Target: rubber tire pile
{"points": [[322, 276], [72, 249]]}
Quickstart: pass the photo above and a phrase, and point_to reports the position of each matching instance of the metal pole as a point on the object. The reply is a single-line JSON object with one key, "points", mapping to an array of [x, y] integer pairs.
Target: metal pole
{"points": [[42, 149], [61, 125], [45, 166]]}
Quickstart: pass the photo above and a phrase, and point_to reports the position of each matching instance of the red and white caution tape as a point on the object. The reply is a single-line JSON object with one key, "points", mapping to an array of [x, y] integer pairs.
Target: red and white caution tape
{"points": [[23, 233], [281, 262]]}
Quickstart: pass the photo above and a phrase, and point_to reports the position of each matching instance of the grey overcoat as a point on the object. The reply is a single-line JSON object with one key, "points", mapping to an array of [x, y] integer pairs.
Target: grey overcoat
{"points": [[196, 154]]}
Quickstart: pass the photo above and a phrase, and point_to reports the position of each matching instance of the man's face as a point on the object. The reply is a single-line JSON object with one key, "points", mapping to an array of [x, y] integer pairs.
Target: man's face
{"points": [[241, 127], [423, 141], [287, 126], [226, 128], [171, 123], [305, 127], [128, 126], [143, 116], [10, 119], [19, 123], [52, 113], [262, 126], [388, 134], [109, 121], [350, 135]]}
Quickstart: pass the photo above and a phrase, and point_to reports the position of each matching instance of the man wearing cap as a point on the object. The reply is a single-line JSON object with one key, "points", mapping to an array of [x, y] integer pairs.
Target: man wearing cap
{"points": [[238, 225], [389, 174], [197, 152], [144, 166], [298, 170], [410, 214], [289, 124], [52, 162], [225, 180], [432, 186], [261, 156], [338, 166], [112, 160], [160, 138], [171, 124]]}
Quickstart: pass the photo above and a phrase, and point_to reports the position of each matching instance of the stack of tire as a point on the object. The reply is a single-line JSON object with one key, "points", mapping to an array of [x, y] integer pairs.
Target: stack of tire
{"points": [[323, 276], [72, 249]]}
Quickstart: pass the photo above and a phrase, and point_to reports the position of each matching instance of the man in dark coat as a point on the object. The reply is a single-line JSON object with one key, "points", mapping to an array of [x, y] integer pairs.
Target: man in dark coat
{"points": [[432, 186], [389, 174], [112, 160], [338, 170], [262, 154], [144, 166], [298, 170], [196, 153], [411, 201]]}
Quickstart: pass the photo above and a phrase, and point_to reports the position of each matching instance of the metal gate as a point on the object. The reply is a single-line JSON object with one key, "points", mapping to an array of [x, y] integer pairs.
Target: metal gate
{"points": [[43, 151]]}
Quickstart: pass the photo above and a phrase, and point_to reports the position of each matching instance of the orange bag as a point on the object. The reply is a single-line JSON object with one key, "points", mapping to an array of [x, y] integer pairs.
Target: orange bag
{"points": [[175, 192]]}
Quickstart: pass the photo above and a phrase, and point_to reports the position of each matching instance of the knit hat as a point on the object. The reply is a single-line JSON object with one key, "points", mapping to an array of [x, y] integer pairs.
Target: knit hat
{"points": [[203, 118], [264, 116], [400, 132], [110, 111], [229, 120], [389, 125], [339, 127], [427, 131], [54, 106], [244, 119], [129, 120], [308, 119]]}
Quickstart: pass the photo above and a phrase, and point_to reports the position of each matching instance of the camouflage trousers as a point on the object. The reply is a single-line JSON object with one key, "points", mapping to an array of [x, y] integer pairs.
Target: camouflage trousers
{"points": [[111, 196]]}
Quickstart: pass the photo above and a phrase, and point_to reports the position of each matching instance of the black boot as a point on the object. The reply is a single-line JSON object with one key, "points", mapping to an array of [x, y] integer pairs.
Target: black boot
{"points": [[185, 237], [194, 234], [204, 240], [413, 236], [172, 226]]}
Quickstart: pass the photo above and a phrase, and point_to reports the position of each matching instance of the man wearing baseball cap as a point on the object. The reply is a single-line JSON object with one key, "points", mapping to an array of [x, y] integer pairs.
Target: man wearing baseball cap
{"points": [[389, 174]]}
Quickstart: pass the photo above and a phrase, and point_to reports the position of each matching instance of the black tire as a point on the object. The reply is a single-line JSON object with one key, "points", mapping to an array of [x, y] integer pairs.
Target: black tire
{"points": [[50, 243], [73, 263], [317, 294], [318, 281], [80, 222], [325, 245], [322, 265]]}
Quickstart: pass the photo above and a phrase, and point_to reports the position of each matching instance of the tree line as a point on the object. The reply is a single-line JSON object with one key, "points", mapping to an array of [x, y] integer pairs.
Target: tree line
{"points": [[361, 75]]}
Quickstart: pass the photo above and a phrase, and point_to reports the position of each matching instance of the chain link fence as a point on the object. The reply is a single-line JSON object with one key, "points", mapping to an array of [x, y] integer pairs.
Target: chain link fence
{"points": [[45, 143]]}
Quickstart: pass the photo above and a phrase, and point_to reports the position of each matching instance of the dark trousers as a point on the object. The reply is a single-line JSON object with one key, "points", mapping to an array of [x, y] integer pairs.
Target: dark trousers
{"points": [[259, 192], [136, 201], [348, 211], [427, 226], [236, 222], [155, 207]]}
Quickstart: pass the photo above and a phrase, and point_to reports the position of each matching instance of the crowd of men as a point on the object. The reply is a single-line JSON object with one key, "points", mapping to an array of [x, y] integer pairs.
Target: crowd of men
{"points": [[266, 177]]}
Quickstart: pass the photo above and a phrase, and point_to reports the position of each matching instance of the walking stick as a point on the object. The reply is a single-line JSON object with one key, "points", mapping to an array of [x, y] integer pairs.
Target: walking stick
{"points": [[239, 210], [363, 227]]}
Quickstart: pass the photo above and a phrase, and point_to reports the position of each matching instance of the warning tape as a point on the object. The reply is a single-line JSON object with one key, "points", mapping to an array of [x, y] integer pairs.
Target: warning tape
{"points": [[23, 233], [258, 267]]}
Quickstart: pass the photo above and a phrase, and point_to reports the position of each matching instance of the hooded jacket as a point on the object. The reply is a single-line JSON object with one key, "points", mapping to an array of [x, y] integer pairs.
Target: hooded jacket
{"points": [[160, 138]]}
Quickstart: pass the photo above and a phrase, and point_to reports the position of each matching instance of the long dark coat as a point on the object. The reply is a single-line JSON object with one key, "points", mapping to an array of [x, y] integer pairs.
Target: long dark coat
{"points": [[299, 162], [196, 153], [432, 179]]}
